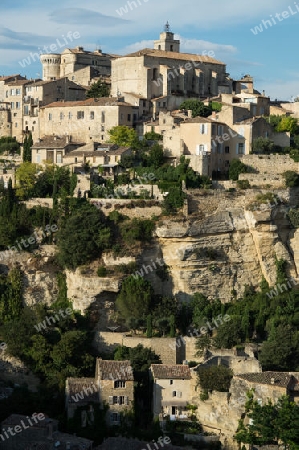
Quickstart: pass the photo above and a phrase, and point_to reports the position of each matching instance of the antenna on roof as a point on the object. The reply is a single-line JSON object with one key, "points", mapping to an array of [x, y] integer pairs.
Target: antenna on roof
{"points": [[167, 27]]}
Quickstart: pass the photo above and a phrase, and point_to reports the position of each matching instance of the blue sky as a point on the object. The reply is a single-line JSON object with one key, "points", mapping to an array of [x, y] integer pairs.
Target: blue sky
{"points": [[224, 27]]}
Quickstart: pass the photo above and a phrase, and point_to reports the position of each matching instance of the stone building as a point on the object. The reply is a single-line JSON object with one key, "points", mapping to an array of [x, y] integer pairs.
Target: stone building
{"points": [[88, 120], [165, 77], [209, 145], [112, 386], [71, 60], [24, 98], [52, 149], [42, 434], [171, 390]]}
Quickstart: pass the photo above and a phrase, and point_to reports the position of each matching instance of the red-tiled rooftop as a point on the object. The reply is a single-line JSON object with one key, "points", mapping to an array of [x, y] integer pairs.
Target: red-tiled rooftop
{"points": [[115, 370], [280, 379], [103, 101], [171, 372]]}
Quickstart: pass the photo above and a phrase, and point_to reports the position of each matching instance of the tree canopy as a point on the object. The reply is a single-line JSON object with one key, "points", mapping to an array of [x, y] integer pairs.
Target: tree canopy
{"points": [[98, 89]]}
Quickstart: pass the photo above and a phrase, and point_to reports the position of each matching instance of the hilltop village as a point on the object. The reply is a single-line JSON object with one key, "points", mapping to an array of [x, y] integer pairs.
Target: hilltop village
{"points": [[148, 254]]}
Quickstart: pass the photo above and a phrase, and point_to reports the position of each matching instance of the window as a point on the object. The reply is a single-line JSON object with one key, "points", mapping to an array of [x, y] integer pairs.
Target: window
{"points": [[26, 110], [80, 114], [12, 92], [121, 116], [219, 148], [18, 105], [240, 149], [103, 128], [16, 125], [18, 91], [220, 130], [61, 116], [70, 115], [32, 129], [114, 418], [6, 94], [171, 382], [177, 394], [103, 116], [144, 103], [59, 157], [119, 384], [171, 48], [129, 117], [118, 400], [50, 116], [203, 128], [91, 115], [102, 137], [12, 105], [214, 129], [155, 74], [226, 150], [38, 159]]}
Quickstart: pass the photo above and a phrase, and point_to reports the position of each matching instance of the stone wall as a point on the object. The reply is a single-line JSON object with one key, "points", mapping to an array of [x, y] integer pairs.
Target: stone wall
{"points": [[44, 202], [164, 347], [263, 180], [128, 207], [270, 165]]}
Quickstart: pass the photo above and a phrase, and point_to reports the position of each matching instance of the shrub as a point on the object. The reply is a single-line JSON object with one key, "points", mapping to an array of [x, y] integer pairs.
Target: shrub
{"points": [[291, 178], [215, 378], [236, 167], [293, 217], [243, 184], [102, 272]]}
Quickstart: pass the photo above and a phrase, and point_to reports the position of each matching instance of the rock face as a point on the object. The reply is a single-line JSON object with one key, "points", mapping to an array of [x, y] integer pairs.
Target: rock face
{"points": [[221, 247]]}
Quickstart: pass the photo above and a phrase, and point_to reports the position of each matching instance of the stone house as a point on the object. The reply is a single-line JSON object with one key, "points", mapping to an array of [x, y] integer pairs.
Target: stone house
{"points": [[26, 97], [88, 120], [171, 390], [108, 156], [113, 385], [165, 77], [52, 149], [42, 434], [208, 145], [5, 119], [73, 59]]}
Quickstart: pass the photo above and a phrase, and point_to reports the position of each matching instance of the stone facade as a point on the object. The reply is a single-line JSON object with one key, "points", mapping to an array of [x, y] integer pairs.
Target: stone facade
{"points": [[71, 60], [163, 347], [165, 76], [171, 390], [88, 120]]}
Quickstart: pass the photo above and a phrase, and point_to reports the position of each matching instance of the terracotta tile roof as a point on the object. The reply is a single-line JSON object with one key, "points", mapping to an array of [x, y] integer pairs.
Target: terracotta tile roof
{"points": [[169, 372], [174, 55], [79, 386], [103, 101], [281, 379], [202, 120], [15, 419], [7, 77], [54, 142], [120, 443], [115, 370]]}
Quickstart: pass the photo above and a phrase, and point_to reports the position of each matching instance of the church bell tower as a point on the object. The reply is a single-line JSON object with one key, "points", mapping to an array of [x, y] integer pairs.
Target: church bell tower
{"points": [[167, 41]]}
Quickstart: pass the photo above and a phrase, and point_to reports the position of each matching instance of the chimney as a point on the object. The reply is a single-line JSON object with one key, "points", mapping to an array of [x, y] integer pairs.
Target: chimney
{"points": [[189, 112]]}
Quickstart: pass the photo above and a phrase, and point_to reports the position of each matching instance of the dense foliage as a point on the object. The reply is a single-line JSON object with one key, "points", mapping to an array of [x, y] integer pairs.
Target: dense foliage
{"points": [[98, 89]]}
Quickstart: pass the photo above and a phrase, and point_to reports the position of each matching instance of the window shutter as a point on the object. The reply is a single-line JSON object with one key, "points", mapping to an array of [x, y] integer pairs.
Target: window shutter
{"points": [[126, 400], [110, 400], [118, 400], [179, 394], [174, 393]]}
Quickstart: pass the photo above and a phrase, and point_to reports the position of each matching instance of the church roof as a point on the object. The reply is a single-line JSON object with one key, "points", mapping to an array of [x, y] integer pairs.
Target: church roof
{"points": [[154, 53]]}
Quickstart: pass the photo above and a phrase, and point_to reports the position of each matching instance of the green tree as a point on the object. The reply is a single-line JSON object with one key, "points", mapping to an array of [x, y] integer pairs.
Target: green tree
{"points": [[98, 89], [197, 107], [149, 328], [155, 157], [27, 148], [82, 236], [277, 352], [262, 145], [287, 124], [123, 136], [26, 175], [135, 298], [291, 178], [215, 378], [174, 200], [236, 167]]}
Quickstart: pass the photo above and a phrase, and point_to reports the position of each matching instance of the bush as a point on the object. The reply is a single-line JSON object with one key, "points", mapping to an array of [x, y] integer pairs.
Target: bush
{"points": [[215, 378], [243, 184], [293, 217], [102, 272], [236, 167], [291, 178]]}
